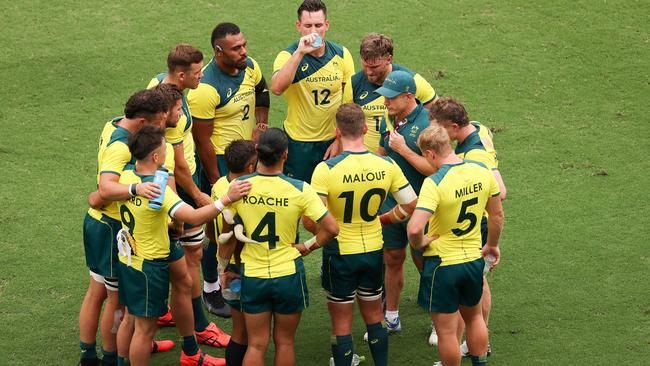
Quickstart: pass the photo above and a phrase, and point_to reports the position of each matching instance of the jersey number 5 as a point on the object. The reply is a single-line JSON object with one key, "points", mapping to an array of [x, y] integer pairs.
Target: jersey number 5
{"points": [[464, 215], [268, 221]]}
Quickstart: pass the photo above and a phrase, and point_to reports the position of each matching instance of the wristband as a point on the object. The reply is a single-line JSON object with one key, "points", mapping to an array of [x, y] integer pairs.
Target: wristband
{"points": [[133, 189], [310, 243], [219, 205]]}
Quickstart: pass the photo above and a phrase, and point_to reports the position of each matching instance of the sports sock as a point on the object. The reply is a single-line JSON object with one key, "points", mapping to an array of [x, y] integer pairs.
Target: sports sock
{"points": [[211, 286], [378, 343], [110, 358], [479, 360], [88, 350], [190, 347], [209, 262], [235, 353], [391, 316], [121, 361], [342, 349], [200, 320]]}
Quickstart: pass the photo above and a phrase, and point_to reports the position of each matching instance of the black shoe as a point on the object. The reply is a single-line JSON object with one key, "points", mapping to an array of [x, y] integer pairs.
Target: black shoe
{"points": [[215, 304], [106, 363], [89, 362]]}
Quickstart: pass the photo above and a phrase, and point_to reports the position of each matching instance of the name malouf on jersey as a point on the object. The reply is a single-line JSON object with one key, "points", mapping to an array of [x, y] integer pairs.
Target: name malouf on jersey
{"points": [[364, 177]]}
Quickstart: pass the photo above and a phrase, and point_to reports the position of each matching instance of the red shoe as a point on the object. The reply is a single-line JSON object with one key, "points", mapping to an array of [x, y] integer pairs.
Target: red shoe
{"points": [[166, 320], [201, 359], [161, 346], [213, 336]]}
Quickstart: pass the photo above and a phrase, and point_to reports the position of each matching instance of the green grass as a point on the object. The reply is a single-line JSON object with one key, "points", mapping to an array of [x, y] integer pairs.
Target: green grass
{"points": [[566, 84]]}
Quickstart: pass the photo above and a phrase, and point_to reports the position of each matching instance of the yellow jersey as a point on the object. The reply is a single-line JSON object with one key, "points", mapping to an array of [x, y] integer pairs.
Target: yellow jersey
{"points": [[182, 133], [271, 213], [478, 146], [372, 104], [355, 185], [147, 226], [227, 100], [220, 188], [316, 91], [456, 195]]}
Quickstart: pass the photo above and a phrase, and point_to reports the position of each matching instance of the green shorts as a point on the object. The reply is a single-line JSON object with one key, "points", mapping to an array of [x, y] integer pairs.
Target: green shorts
{"points": [[484, 232], [204, 182], [184, 195], [344, 276], [394, 235], [100, 245], [303, 158], [235, 304], [282, 295], [145, 292], [176, 251], [444, 288]]}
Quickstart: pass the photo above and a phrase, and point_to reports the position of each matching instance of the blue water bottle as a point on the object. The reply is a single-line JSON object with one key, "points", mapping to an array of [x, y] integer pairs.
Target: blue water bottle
{"points": [[233, 291], [317, 42], [160, 179]]}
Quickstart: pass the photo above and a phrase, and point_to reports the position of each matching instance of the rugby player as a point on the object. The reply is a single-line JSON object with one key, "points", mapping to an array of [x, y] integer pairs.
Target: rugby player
{"points": [[451, 202], [353, 185], [312, 79]]}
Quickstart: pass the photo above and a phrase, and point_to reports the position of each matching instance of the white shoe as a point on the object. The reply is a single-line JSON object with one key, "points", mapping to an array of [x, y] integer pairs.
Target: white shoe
{"points": [[464, 350], [433, 337], [365, 337]]}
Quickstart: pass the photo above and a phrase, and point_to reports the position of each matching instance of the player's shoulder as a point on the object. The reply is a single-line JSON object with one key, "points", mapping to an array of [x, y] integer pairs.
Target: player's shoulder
{"points": [[120, 134], [211, 73], [477, 163], [471, 142], [334, 49], [443, 172], [251, 63], [400, 67], [291, 48], [332, 162], [359, 78]]}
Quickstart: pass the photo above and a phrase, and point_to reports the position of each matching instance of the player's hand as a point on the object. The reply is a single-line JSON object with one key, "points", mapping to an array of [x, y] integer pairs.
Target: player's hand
{"points": [[302, 249], [226, 277], [332, 150], [396, 142], [176, 229], [203, 199], [493, 251], [238, 189], [148, 190], [427, 240], [305, 44]]}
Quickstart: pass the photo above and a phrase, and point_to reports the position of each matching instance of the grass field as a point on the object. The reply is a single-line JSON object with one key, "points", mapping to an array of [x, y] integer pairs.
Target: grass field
{"points": [[566, 85]]}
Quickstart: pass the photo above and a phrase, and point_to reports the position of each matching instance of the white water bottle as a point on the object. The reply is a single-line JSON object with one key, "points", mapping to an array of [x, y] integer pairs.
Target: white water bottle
{"points": [[489, 259], [356, 360]]}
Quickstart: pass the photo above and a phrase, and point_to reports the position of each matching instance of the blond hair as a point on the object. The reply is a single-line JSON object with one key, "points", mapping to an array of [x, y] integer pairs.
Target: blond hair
{"points": [[435, 138]]}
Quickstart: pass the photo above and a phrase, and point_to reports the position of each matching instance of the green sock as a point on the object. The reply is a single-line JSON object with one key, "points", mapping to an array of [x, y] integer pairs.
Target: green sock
{"points": [[110, 358], [342, 349], [235, 353], [200, 320], [121, 361], [88, 350], [479, 360], [190, 347], [378, 343]]}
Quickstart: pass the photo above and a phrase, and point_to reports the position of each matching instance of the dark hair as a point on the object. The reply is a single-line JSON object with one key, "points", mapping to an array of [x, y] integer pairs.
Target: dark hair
{"points": [[272, 144], [183, 56], [147, 139], [238, 153], [350, 120], [170, 92], [145, 104], [449, 109], [222, 30], [375, 45], [312, 6]]}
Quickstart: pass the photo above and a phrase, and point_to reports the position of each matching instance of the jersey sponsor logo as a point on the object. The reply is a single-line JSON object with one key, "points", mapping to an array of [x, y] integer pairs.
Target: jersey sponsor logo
{"points": [[304, 67], [229, 92], [363, 95], [335, 63], [414, 131]]}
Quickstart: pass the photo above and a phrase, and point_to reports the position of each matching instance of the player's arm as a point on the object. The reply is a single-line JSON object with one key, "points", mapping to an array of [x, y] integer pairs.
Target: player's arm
{"points": [[417, 161], [95, 200], [262, 104], [110, 188], [183, 175], [326, 230], [196, 217], [406, 202], [415, 229], [283, 77], [424, 91], [496, 219], [202, 131], [502, 186]]}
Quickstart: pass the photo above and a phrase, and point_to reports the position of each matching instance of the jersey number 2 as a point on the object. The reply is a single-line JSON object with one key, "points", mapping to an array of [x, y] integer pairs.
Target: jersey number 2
{"points": [[268, 221]]}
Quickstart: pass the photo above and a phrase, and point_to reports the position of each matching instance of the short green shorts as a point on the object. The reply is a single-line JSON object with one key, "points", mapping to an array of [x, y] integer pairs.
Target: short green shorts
{"points": [[100, 245], [444, 288], [282, 295], [344, 276], [303, 158], [176, 251], [145, 291]]}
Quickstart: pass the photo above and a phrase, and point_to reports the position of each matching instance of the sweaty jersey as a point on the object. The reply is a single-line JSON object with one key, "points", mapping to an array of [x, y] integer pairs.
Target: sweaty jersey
{"points": [[113, 155], [457, 195], [355, 185], [271, 212], [316, 91], [182, 133], [372, 104], [228, 100], [148, 226]]}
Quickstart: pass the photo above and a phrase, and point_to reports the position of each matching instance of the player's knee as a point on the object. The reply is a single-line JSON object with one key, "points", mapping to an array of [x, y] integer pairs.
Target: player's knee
{"points": [[394, 258], [193, 254]]}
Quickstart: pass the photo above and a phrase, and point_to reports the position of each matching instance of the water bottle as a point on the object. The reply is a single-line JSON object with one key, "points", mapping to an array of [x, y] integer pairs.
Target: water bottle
{"points": [[233, 291], [317, 42], [356, 360], [489, 259], [160, 179]]}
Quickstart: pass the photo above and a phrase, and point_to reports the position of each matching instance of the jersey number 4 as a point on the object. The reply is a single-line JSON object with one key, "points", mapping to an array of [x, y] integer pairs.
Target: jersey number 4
{"points": [[268, 221], [464, 215]]}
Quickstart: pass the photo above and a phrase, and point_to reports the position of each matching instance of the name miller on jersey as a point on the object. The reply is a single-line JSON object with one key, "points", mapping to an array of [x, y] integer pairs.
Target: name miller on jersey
{"points": [[266, 201], [364, 177], [469, 189]]}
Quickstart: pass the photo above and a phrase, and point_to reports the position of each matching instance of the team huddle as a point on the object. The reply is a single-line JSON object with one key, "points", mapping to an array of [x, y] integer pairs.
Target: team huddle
{"points": [[194, 190]]}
